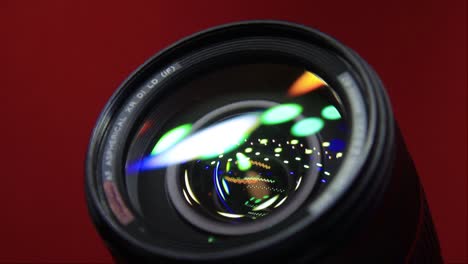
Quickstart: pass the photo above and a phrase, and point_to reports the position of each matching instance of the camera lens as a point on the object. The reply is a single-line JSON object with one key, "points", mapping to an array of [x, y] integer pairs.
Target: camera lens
{"points": [[252, 141], [237, 163]]}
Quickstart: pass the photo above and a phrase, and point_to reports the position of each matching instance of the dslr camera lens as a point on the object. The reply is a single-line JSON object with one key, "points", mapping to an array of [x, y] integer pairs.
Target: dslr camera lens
{"points": [[253, 142]]}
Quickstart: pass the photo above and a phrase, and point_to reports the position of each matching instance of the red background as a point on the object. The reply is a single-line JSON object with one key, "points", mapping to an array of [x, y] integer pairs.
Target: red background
{"points": [[61, 60]]}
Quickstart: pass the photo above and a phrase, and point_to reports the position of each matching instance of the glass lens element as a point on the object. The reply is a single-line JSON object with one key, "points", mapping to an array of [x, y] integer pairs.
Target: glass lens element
{"points": [[256, 139], [254, 179]]}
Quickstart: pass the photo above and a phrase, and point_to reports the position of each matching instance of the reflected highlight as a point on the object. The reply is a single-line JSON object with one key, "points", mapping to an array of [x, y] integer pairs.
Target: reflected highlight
{"points": [[243, 162], [307, 127], [280, 114], [171, 137], [306, 83], [189, 189], [206, 143], [331, 113], [266, 204]]}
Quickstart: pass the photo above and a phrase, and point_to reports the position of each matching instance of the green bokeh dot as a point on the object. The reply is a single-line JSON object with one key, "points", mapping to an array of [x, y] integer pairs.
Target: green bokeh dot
{"points": [[280, 114], [243, 162], [307, 127], [331, 113]]}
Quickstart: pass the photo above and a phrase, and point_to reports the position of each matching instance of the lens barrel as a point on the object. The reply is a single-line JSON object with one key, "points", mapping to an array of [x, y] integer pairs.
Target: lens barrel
{"points": [[258, 141]]}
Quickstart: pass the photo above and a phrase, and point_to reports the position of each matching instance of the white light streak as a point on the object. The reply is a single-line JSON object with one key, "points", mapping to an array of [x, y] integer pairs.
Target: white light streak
{"points": [[230, 215], [281, 202], [266, 204], [189, 189], [298, 183]]}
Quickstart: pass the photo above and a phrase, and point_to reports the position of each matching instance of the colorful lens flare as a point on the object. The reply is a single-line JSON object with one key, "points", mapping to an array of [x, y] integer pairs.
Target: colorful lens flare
{"points": [[243, 162], [307, 127], [171, 138], [306, 83], [331, 113], [280, 114], [206, 143]]}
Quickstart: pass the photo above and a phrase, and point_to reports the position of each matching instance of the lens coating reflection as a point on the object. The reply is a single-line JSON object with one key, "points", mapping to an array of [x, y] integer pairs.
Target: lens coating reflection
{"points": [[248, 163]]}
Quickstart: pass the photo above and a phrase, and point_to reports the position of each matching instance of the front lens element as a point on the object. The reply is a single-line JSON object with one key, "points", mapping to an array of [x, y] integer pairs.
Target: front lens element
{"points": [[239, 157]]}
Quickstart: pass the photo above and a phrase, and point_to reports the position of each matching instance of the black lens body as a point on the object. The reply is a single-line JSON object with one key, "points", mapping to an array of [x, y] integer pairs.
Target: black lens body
{"points": [[371, 210]]}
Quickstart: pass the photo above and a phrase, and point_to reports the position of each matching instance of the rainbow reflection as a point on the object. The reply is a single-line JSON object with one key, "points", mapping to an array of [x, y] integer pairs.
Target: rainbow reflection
{"points": [[207, 143]]}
